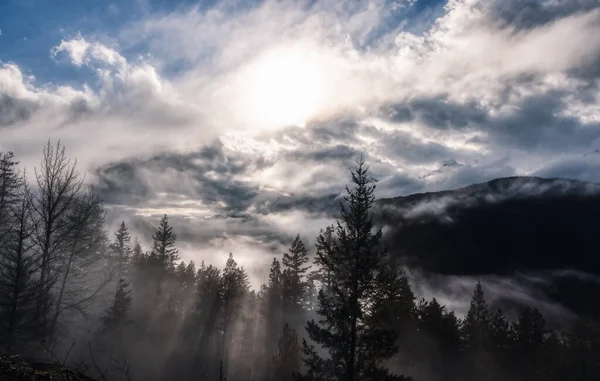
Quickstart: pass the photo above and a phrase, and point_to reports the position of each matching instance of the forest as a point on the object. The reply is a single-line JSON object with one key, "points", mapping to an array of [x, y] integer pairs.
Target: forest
{"points": [[72, 292]]}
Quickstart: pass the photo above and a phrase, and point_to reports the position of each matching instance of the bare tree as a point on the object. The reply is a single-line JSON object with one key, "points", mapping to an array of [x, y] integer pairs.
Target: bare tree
{"points": [[82, 275]]}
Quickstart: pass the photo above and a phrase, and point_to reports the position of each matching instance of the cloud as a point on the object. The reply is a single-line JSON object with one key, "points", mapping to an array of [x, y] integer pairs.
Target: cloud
{"points": [[245, 119]]}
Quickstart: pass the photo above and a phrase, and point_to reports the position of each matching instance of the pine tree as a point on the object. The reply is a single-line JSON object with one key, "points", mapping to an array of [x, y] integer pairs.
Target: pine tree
{"points": [[499, 331], [351, 306], [295, 286], [272, 310], [273, 299], [204, 319], [325, 246], [164, 244], [137, 256], [286, 360], [476, 326], [121, 249], [163, 255], [475, 332], [117, 313], [529, 334], [234, 286], [10, 183]]}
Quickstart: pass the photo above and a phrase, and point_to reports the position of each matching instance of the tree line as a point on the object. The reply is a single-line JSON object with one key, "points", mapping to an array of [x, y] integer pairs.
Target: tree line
{"points": [[347, 313]]}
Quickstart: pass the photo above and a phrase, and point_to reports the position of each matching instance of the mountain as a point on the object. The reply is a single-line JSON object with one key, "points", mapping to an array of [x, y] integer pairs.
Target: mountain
{"points": [[504, 227]]}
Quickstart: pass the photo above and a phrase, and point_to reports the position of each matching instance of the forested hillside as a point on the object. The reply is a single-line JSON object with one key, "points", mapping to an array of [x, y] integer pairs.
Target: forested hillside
{"points": [[74, 293]]}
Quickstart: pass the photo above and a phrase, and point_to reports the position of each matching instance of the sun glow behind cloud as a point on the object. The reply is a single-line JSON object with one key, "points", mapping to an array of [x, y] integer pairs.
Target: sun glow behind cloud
{"points": [[283, 86]]}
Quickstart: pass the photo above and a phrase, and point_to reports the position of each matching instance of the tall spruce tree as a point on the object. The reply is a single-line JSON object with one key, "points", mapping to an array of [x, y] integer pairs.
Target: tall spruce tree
{"points": [[351, 306], [10, 185], [121, 249], [162, 258], [476, 326], [233, 289], [475, 332], [163, 246], [295, 285]]}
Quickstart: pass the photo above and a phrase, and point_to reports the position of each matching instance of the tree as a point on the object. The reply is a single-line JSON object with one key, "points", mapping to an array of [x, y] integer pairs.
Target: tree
{"points": [[10, 185], [121, 249], [18, 270], [286, 360], [351, 305], [271, 297], [475, 332], [294, 285], [325, 246], [86, 244], [476, 326], [163, 246], [204, 320], [59, 185], [529, 331], [117, 313], [163, 256], [233, 287]]}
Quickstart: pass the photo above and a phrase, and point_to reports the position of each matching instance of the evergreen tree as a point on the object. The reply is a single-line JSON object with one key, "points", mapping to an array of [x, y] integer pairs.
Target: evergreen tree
{"points": [[118, 312], [582, 344], [273, 302], [234, 286], [529, 333], [272, 311], [162, 258], [121, 249], [10, 185], [287, 358], [163, 246], [204, 320], [137, 256], [499, 331], [475, 332], [476, 326], [352, 305], [325, 246], [295, 286]]}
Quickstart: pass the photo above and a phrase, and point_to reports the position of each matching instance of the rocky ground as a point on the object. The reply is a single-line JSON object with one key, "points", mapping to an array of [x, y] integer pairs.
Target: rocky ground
{"points": [[14, 368]]}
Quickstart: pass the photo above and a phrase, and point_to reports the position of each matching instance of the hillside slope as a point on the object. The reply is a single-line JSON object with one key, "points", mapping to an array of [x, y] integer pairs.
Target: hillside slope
{"points": [[518, 224]]}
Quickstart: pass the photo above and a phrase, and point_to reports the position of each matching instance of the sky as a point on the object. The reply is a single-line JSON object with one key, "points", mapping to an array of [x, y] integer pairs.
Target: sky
{"points": [[241, 119]]}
